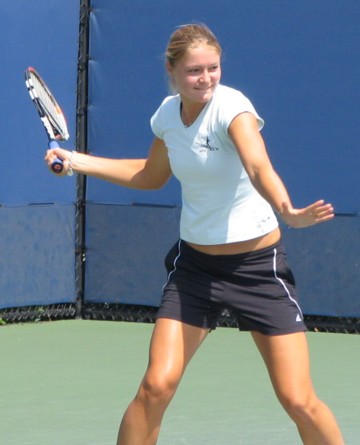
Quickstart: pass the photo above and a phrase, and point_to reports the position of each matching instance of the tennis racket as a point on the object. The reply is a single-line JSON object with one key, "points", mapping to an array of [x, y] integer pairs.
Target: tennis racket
{"points": [[49, 111]]}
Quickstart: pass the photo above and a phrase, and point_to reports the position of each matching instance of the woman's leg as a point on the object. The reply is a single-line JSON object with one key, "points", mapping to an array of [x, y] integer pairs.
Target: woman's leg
{"points": [[172, 346], [287, 360]]}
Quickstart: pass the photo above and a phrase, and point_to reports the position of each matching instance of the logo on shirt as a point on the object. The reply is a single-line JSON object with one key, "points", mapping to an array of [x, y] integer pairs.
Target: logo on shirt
{"points": [[207, 146]]}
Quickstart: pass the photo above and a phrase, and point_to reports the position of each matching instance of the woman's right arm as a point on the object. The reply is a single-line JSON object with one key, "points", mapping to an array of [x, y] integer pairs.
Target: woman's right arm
{"points": [[142, 174]]}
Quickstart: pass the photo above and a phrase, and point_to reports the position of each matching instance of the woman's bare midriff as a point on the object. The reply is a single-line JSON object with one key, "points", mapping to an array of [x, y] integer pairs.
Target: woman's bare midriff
{"points": [[240, 247]]}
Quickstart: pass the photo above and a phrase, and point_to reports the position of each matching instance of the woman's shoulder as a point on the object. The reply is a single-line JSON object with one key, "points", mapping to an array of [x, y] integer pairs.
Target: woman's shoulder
{"points": [[231, 102], [224, 91], [165, 113], [170, 101]]}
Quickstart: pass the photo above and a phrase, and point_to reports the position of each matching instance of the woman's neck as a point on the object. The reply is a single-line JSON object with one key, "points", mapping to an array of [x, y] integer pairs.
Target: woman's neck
{"points": [[190, 112]]}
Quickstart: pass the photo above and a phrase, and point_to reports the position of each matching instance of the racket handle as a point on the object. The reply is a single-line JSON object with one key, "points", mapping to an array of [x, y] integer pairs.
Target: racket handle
{"points": [[57, 165]]}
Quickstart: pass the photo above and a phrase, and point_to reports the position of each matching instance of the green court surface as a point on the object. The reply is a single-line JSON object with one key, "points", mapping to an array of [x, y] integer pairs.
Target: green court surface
{"points": [[68, 383]]}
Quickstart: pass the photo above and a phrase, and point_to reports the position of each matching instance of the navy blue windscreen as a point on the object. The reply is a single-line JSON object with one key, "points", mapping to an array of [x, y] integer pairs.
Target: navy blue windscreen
{"points": [[43, 35], [37, 213], [37, 255]]}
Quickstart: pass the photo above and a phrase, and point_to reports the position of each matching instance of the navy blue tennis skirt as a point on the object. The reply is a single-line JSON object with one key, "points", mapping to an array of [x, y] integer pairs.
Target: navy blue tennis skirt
{"points": [[258, 288]]}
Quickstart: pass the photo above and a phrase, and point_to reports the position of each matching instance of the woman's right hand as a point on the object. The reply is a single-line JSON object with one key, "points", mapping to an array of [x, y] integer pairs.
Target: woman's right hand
{"points": [[58, 153]]}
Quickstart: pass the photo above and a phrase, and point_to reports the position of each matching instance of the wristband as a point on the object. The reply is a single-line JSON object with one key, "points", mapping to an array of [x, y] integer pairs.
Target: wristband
{"points": [[70, 171]]}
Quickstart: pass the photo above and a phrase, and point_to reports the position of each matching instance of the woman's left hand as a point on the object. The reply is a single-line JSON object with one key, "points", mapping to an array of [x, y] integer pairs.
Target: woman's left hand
{"points": [[315, 213]]}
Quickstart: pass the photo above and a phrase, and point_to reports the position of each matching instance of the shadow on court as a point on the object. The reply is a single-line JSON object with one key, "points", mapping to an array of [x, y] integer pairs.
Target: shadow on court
{"points": [[68, 382]]}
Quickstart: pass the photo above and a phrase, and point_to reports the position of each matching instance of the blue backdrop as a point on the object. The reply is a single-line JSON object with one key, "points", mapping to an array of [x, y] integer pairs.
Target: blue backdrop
{"points": [[297, 61], [36, 209]]}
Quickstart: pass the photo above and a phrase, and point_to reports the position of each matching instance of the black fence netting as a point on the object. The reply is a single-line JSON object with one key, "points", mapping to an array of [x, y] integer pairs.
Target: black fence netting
{"points": [[37, 313], [147, 314]]}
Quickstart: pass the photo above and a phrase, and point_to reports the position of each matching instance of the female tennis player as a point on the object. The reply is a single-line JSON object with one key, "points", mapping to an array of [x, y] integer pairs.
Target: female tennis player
{"points": [[230, 253]]}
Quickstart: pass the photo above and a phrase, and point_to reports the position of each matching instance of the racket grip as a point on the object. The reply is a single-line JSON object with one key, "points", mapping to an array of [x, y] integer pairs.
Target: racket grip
{"points": [[57, 165]]}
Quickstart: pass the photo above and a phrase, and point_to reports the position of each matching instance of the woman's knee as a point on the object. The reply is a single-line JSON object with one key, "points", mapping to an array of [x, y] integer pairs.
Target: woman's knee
{"points": [[300, 406], [158, 388]]}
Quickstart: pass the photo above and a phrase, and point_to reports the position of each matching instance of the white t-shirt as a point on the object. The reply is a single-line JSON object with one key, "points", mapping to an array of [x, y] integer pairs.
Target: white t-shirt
{"points": [[220, 204]]}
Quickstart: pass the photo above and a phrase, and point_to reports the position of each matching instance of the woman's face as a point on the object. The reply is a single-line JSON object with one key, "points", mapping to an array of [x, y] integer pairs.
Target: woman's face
{"points": [[197, 74]]}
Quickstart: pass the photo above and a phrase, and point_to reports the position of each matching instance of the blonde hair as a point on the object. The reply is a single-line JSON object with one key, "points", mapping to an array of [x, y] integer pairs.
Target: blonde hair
{"points": [[189, 36]]}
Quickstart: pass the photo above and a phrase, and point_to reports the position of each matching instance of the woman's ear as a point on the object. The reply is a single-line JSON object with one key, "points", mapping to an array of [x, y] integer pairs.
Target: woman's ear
{"points": [[169, 70], [172, 83]]}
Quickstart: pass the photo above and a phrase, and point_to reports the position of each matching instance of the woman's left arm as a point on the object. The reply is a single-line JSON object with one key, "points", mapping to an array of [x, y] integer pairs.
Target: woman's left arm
{"points": [[244, 133]]}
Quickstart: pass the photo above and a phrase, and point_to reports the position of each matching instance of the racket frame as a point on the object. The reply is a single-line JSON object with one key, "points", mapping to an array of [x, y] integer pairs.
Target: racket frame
{"points": [[55, 128]]}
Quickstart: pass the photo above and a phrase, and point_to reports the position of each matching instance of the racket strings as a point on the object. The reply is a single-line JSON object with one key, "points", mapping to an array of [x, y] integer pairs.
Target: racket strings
{"points": [[40, 92]]}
